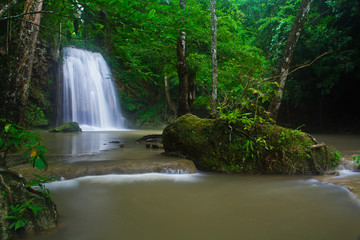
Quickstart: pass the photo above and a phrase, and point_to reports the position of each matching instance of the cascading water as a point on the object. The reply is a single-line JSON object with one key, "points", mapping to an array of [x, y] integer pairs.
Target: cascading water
{"points": [[88, 95]]}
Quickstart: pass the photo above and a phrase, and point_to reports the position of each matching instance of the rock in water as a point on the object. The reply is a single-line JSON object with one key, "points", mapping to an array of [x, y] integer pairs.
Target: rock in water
{"points": [[67, 127], [245, 146]]}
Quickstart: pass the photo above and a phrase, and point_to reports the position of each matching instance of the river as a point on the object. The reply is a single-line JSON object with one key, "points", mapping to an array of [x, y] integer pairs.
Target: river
{"points": [[191, 206]]}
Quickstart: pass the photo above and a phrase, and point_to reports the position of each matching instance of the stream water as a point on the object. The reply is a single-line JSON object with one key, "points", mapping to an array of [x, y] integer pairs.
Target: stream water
{"points": [[192, 206]]}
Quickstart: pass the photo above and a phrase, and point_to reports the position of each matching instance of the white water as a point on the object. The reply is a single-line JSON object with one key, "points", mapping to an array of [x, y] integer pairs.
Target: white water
{"points": [[89, 95]]}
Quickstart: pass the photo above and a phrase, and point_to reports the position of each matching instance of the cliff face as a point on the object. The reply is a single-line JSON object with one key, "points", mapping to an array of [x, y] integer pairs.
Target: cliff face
{"points": [[42, 98]]}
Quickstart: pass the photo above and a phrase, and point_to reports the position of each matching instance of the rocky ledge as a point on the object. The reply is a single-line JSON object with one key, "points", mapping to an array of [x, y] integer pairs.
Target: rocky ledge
{"points": [[91, 168]]}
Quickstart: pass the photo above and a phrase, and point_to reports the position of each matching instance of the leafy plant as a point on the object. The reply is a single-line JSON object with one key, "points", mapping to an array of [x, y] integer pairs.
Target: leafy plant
{"points": [[356, 158], [35, 116], [14, 137], [40, 183], [17, 213]]}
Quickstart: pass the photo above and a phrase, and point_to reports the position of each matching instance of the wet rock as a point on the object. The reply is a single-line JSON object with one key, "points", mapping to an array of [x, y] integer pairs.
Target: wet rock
{"points": [[153, 141], [350, 182], [67, 127], [150, 138], [80, 169]]}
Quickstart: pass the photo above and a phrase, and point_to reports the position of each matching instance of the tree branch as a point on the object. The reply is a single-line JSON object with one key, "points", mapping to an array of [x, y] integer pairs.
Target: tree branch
{"points": [[7, 188], [22, 179], [309, 64], [28, 13], [301, 66], [7, 7]]}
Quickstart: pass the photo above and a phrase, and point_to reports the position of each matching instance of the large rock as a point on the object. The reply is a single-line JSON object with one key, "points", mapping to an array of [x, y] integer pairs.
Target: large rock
{"points": [[44, 220], [67, 127], [237, 145]]}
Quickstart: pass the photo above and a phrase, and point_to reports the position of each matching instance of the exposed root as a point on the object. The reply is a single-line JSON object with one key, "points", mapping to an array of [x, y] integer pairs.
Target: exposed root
{"points": [[317, 146], [7, 188], [312, 138], [22, 179]]}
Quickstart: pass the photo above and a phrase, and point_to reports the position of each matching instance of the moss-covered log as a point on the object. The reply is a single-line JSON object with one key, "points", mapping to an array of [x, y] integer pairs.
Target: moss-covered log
{"points": [[246, 145]]}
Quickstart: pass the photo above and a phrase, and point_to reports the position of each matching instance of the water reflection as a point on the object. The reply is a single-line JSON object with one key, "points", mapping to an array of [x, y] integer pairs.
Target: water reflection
{"points": [[81, 143]]}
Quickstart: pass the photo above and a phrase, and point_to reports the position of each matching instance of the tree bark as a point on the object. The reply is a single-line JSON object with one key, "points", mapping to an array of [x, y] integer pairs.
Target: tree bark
{"points": [[182, 70], [171, 105], [20, 74], [294, 35], [191, 88], [214, 74]]}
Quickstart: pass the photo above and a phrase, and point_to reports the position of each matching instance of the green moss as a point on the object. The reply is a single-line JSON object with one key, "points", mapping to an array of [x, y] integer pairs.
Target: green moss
{"points": [[245, 146], [67, 127]]}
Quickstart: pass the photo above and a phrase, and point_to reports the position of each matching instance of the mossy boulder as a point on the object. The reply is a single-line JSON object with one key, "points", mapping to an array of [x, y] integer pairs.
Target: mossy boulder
{"points": [[44, 219], [67, 127], [246, 145]]}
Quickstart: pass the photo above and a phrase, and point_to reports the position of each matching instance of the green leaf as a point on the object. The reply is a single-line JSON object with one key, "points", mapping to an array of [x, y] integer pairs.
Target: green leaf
{"points": [[7, 127], [19, 224], [39, 163], [41, 149], [99, 25], [152, 13]]}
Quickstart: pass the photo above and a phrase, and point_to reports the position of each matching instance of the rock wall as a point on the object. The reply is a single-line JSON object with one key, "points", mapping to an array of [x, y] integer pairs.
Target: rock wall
{"points": [[43, 79]]}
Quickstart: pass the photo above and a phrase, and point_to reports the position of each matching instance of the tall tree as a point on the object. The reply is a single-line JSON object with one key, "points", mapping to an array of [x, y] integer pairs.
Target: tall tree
{"points": [[294, 35], [20, 74], [182, 70], [214, 74]]}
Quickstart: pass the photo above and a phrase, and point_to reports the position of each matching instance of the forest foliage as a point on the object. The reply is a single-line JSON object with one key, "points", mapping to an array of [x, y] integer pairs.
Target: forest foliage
{"points": [[138, 38]]}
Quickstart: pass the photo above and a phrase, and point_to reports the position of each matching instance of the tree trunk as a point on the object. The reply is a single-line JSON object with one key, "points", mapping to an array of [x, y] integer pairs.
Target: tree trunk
{"points": [[214, 81], [171, 105], [191, 88], [20, 74], [294, 35], [182, 70]]}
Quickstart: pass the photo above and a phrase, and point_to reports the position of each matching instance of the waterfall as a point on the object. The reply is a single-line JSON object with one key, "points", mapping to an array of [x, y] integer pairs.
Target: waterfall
{"points": [[88, 92]]}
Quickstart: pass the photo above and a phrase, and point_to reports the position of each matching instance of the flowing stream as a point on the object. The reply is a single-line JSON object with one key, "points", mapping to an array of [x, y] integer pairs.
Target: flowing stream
{"points": [[88, 92], [192, 206]]}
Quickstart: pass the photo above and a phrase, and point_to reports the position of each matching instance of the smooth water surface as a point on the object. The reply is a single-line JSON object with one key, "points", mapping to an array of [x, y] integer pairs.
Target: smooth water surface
{"points": [[200, 206], [96, 146]]}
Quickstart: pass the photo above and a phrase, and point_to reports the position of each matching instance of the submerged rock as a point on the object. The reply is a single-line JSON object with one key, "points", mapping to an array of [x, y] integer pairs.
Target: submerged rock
{"points": [[244, 146], [153, 141], [67, 127]]}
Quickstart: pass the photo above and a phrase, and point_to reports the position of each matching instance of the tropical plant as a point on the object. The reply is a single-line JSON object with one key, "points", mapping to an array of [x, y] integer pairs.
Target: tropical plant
{"points": [[14, 137]]}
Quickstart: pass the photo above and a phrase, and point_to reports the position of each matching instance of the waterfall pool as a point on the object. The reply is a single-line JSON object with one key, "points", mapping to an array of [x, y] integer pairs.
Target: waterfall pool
{"points": [[194, 206]]}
